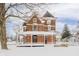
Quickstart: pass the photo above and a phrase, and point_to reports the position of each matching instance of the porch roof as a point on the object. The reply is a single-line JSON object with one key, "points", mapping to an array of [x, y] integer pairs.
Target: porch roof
{"points": [[37, 33]]}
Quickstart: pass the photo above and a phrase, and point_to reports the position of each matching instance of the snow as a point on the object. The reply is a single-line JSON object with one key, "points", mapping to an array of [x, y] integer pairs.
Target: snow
{"points": [[40, 51]]}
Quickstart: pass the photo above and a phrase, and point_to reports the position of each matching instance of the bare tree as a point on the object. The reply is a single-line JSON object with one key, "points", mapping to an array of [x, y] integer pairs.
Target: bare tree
{"points": [[3, 38]]}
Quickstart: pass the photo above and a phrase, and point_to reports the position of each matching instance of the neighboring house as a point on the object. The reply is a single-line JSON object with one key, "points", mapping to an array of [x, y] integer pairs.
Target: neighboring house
{"points": [[38, 30], [75, 34]]}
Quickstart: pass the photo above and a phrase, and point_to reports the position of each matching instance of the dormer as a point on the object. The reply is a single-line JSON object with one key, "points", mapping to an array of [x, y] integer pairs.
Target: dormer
{"points": [[34, 19], [48, 17]]}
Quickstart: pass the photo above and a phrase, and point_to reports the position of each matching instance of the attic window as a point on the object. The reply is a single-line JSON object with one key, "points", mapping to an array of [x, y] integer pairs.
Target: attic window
{"points": [[35, 20], [48, 22]]}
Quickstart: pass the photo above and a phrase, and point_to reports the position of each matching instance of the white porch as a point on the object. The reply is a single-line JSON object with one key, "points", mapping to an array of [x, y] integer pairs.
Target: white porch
{"points": [[20, 43], [38, 32]]}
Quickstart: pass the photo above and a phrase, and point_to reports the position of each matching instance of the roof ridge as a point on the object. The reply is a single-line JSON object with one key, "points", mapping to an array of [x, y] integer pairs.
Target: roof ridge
{"points": [[48, 14]]}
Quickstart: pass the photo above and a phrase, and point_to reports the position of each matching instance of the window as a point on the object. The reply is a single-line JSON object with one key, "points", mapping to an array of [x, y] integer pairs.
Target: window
{"points": [[52, 28], [53, 22], [48, 22], [34, 28], [35, 20], [34, 38], [49, 27]]}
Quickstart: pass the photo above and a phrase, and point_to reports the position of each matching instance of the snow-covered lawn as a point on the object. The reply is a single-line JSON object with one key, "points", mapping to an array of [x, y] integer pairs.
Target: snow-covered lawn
{"points": [[39, 51]]}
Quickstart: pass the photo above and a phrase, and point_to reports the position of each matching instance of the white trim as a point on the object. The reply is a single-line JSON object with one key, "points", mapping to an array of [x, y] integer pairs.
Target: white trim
{"points": [[42, 25], [33, 29], [31, 40], [37, 33], [44, 40], [49, 27], [48, 22]]}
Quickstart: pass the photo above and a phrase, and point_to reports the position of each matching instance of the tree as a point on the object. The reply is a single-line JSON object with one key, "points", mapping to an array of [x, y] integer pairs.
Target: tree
{"points": [[66, 33], [6, 11], [3, 38]]}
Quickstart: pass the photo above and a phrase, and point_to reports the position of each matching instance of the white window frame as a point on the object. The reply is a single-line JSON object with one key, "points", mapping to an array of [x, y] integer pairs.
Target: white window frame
{"points": [[49, 22], [34, 20], [33, 28], [49, 27]]}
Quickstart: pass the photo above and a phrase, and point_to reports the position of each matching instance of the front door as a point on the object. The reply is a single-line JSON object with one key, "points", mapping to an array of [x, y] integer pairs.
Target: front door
{"points": [[34, 38]]}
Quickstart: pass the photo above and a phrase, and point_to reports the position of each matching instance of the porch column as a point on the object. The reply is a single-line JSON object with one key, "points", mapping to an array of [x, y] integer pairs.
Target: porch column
{"points": [[17, 38], [20, 39], [52, 39], [31, 40], [44, 39]]}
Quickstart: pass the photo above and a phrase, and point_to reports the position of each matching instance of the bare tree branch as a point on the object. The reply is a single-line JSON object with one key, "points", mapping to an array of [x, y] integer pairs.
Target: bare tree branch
{"points": [[15, 16], [11, 6]]}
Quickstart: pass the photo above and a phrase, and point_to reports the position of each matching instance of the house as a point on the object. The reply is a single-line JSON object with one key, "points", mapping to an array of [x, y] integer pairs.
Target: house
{"points": [[38, 30]]}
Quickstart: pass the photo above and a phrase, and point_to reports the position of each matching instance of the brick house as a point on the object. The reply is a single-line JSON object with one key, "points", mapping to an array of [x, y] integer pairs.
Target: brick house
{"points": [[38, 30]]}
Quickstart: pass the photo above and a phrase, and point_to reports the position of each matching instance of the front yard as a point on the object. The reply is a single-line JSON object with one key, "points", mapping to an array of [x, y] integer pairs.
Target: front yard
{"points": [[39, 51]]}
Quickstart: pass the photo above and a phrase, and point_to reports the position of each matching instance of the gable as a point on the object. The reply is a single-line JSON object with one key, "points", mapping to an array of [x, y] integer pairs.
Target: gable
{"points": [[34, 19]]}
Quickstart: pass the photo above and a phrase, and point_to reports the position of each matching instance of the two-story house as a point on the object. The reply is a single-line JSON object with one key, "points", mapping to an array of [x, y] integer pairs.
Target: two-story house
{"points": [[38, 30]]}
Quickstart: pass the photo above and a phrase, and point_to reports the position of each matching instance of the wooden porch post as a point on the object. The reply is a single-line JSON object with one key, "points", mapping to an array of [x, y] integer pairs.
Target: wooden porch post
{"points": [[31, 40], [44, 39]]}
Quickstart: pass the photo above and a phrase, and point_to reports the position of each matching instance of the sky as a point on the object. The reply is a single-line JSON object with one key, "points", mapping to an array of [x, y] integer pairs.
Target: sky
{"points": [[65, 13]]}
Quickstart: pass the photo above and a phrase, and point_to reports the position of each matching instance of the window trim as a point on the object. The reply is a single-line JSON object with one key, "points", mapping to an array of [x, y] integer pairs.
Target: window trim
{"points": [[33, 29], [34, 20]]}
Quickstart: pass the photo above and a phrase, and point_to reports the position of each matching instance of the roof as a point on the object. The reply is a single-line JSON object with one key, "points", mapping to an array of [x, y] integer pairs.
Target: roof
{"points": [[47, 14]]}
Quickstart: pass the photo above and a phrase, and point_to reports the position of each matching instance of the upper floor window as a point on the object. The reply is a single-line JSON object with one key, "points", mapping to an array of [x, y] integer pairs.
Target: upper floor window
{"points": [[34, 28], [35, 20], [52, 28], [48, 22], [49, 27], [53, 22]]}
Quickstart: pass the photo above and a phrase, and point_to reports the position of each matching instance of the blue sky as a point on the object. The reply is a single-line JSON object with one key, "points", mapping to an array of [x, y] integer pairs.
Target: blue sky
{"points": [[71, 20], [64, 13], [12, 24]]}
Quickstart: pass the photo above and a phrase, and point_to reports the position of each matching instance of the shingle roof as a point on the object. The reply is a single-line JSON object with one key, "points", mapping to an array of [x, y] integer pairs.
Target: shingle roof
{"points": [[47, 14]]}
